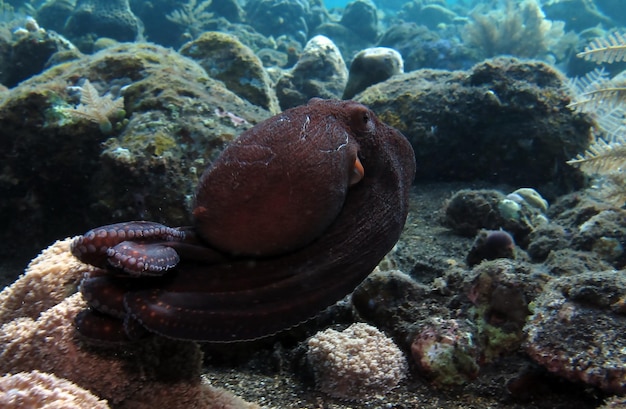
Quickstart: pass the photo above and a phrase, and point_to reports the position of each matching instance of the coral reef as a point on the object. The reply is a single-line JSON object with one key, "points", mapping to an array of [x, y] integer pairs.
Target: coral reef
{"points": [[500, 113], [319, 72], [40, 390], [356, 363], [577, 14]]}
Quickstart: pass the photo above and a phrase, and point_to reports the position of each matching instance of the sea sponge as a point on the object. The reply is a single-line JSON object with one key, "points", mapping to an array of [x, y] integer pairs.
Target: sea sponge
{"points": [[41, 390], [357, 363], [49, 278]]}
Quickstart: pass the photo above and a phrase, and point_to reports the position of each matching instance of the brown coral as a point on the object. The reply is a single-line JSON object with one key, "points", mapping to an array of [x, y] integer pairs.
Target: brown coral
{"points": [[38, 390], [42, 337], [48, 279]]}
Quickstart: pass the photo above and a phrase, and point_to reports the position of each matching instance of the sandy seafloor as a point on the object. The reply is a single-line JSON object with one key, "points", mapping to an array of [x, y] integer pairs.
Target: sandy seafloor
{"points": [[428, 240], [266, 379]]}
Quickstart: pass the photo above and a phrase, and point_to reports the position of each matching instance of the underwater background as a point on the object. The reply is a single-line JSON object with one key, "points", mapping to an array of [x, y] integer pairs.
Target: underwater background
{"points": [[504, 289]]}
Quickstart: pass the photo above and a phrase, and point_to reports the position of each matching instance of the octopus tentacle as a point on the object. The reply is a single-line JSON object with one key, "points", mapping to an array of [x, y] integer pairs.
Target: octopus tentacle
{"points": [[142, 259], [93, 247]]}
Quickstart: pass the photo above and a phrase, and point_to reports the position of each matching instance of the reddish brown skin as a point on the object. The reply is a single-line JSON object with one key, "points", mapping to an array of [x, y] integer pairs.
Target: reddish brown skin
{"points": [[280, 184], [227, 288]]}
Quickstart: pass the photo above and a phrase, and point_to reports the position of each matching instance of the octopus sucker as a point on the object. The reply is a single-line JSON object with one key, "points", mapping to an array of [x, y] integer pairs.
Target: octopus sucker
{"points": [[284, 226]]}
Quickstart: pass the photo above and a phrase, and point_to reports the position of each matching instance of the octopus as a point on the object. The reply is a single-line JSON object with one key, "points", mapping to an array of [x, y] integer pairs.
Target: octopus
{"points": [[287, 221]]}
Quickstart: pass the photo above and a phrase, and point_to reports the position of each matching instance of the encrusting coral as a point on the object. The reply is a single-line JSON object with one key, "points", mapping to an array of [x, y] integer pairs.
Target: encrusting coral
{"points": [[41, 390], [357, 363], [39, 335]]}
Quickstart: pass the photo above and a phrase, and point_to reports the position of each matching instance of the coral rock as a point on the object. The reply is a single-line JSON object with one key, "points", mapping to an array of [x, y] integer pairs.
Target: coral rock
{"points": [[49, 278], [41, 390], [577, 329], [445, 351], [356, 363]]}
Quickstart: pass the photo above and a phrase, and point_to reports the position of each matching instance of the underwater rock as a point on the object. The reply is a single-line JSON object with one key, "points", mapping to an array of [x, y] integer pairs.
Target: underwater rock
{"points": [[592, 225], [391, 300], [360, 16], [31, 53], [224, 58], [345, 39], [445, 351], [501, 291], [53, 14], [320, 72], [485, 124], [229, 9], [357, 363], [102, 18], [545, 239], [371, 66], [578, 15], [429, 15], [56, 165], [468, 211], [279, 17], [604, 234], [577, 329], [424, 48], [491, 245], [567, 262]]}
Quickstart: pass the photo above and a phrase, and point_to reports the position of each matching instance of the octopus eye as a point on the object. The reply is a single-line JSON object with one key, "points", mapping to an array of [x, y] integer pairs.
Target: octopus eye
{"points": [[361, 120]]}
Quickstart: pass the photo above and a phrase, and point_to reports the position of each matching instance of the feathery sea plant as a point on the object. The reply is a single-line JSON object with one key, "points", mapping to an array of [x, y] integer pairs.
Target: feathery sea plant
{"points": [[96, 108], [604, 99], [193, 17], [514, 28]]}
